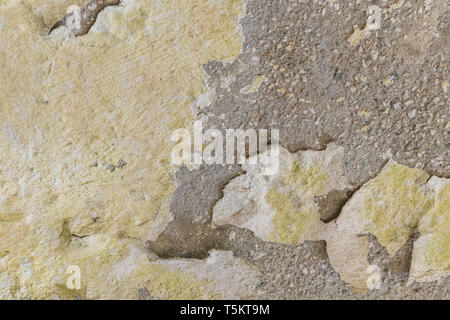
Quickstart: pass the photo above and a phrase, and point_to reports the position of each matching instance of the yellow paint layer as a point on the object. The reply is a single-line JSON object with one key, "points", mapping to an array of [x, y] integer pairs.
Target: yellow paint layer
{"points": [[176, 285], [72, 109], [291, 223], [394, 204], [438, 248], [297, 218]]}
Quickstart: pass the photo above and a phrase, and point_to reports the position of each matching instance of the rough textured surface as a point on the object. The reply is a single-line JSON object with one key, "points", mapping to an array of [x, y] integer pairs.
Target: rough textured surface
{"points": [[92, 104], [359, 208], [282, 208], [431, 260], [220, 276], [388, 207]]}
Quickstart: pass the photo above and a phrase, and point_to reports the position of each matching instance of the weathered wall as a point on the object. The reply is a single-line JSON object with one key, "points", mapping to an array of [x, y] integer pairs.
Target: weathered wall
{"points": [[85, 171]]}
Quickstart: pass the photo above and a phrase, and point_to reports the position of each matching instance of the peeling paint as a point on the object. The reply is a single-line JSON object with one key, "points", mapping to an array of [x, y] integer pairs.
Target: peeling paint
{"points": [[93, 101]]}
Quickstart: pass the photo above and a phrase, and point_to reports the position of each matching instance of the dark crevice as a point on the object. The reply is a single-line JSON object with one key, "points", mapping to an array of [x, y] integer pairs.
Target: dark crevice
{"points": [[331, 204], [88, 16], [394, 268], [79, 237]]}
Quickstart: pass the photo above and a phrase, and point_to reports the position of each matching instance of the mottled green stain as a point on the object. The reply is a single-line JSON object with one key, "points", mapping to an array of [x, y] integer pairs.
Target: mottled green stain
{"points": [[176, 285], [290, 223], [296, 213], [395, 204], [438, 248], [306, 178]]}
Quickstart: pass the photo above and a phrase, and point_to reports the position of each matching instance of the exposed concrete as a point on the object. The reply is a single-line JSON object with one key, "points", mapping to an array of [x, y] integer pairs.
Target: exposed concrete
{"points": [[330, 205], [381, 98], [320, 88]]}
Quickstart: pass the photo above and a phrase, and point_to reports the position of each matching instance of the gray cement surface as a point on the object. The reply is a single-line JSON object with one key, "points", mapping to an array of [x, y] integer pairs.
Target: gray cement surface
{"points": [[378, 99]]}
